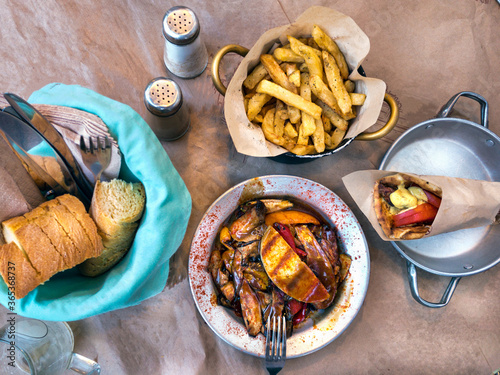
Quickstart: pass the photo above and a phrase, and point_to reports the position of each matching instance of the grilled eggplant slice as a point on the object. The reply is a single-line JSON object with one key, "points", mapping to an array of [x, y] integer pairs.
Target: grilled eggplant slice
{"points": [[318, 261], [246, 223], [250, 308]]}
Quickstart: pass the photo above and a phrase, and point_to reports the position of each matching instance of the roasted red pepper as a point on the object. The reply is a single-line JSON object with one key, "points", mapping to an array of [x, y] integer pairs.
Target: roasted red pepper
{"points": [[300, 316], [433, 199], [295, 306], [285, 232]]}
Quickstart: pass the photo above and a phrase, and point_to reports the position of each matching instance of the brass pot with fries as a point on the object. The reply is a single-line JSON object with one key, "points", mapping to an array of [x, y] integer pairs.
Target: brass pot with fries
{"points": [[303, 96]]}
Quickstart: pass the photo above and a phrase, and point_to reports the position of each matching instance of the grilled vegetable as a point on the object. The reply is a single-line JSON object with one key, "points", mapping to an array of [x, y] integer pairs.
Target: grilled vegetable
{"points": [[287, 271], [290, 217], [250, 309], [318, 262], [247, 222]]}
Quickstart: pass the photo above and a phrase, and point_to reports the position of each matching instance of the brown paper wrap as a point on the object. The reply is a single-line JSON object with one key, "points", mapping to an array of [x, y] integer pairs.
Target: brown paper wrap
{"points": [[465, 203], [352, 41]]}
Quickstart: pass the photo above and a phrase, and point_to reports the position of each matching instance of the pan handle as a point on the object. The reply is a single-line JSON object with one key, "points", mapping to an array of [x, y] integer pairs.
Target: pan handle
{"points": [[412, 278], [242, 51], [446, 109], [389, 125]]}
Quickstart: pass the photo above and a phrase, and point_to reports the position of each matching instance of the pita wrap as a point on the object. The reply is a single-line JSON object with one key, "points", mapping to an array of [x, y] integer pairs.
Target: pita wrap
{"points": [[383, 210]]}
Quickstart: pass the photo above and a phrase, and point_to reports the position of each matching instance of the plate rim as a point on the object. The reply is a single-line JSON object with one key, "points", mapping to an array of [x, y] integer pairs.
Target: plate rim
{"points": [[355, 302]]}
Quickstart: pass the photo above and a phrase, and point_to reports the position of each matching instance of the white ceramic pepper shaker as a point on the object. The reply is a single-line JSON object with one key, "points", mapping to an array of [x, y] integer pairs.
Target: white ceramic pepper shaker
{"points": [[185, 53], [166, 116]]}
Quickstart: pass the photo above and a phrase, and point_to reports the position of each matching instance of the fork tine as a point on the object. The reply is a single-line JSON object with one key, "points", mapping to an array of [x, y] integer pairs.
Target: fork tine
{"points": [[83, 146], [283, 337]]}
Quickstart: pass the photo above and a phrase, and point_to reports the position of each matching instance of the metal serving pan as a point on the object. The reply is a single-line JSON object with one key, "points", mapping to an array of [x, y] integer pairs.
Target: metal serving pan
{"points": [[456, 148]]}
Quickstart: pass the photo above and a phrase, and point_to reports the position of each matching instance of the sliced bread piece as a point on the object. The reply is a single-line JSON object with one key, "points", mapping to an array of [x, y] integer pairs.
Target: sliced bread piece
{"points": [[35, 244], [17, 271], [117, 207], [52, 238]]}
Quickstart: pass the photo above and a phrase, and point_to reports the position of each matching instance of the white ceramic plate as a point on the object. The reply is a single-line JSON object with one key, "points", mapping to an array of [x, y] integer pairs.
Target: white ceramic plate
{"points": [[327, 325]]}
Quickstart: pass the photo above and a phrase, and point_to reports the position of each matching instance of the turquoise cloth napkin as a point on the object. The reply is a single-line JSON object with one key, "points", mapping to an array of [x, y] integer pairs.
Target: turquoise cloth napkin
{"points": [[144, 270]]}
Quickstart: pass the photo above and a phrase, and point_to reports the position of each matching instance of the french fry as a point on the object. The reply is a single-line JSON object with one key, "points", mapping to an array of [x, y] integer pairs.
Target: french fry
{"points": [[305, 89], [302, 138], [336, 137], [312, 43], [259, 118], [277, 74], [286, 54], [308, 125], [350, 86], [303, 150], [318, 137], [327, 124], [257, 75], [290, 131], [323, 93], [310, 55], [295, 78], [268, 129], [328, 141], [256, 103], [328, 44], [294, 114], [294, 100], [357, 98], [336, 83], [334, 118], [280, 116], [289, 68]]}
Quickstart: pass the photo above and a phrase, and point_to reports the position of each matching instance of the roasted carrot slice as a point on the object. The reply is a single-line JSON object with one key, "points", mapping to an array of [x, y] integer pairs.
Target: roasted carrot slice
{"points": [[290, 217]]}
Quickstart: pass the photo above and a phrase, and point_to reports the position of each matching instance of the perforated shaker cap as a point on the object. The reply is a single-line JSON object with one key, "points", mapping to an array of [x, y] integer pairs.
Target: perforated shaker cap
{"points": [[162, 97], [180, 25]]}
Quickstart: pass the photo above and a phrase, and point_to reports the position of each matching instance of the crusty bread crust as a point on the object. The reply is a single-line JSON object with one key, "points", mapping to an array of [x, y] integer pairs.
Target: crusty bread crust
{"points": [[382, 210]]}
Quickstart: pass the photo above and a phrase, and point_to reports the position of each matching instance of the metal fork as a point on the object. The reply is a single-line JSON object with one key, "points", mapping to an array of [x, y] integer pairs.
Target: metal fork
{"points": [[96, 157], [275, 344]]}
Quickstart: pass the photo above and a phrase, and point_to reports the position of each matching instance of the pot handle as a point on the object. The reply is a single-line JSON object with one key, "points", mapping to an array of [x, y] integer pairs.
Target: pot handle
{"points": [[384, 130], [242, 51], [412, 278], [446, 109]]}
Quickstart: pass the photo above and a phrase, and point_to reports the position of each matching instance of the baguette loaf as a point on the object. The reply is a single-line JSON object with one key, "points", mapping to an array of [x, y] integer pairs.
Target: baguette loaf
{"points": [[55, 236], [117, 207]]}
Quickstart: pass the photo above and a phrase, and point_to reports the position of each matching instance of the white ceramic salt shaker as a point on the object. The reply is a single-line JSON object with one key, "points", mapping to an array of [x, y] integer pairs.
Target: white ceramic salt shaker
{"points": [[185, 53], [166, 115]]}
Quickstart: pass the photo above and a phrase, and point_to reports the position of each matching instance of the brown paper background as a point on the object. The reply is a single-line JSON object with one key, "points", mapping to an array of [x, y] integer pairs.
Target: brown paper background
{"points": [[425, 51]]}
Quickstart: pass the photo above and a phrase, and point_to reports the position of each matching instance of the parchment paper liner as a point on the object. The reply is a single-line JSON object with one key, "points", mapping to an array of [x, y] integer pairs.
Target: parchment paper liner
{"points": [[465, 203], [352, 41]]}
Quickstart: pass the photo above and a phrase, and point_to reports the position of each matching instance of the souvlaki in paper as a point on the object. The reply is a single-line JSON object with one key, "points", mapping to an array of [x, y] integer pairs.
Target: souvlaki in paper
{"points": [[405, 206]]}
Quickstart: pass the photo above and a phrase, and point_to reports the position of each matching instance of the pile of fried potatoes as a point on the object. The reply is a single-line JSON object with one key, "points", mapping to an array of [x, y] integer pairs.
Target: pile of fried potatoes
{"points": [[300, 94]]}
